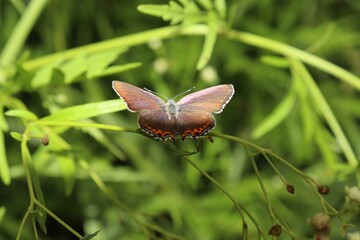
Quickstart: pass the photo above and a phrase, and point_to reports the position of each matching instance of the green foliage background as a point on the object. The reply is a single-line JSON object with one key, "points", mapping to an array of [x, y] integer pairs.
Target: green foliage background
{"points": [[294, 66]]}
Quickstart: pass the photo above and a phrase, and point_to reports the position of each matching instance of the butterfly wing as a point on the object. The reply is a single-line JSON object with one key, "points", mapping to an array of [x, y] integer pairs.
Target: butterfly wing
{"points": [[136, 98], [211, 99], [158, 124], [194, 123], [195, 118]]}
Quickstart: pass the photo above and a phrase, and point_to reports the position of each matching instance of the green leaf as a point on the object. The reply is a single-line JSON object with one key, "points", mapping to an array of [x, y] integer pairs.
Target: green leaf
{"points": [[276, 117], [220, 6], [114, 70], [323, 141], [56, 142], [44, 75], [189, 13], [16, 136], [210, 40], [193, 14], [68, 170], [2, 213], [86, 111], [105, 141], [275, 61], [97, 63], [172, 12], [74, 68], [4, 166], [309, 121], [24, 114], [92, 65], [3, 124], [207, 4], [308, 116], [154, 10], [92, 235], [325, 111]]}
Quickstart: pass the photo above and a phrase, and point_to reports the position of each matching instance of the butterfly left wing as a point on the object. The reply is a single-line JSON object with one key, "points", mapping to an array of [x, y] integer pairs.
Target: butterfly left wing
{"points": [[136, 98], [211, 99]]}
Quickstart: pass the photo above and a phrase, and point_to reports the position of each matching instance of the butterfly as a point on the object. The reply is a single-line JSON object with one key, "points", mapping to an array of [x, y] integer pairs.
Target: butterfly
{"points": [[192, 116]]}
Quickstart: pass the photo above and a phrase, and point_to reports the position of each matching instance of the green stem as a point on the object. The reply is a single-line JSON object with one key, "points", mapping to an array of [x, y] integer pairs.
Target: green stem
{"points": [[23, 223], [82, 124], [125, 41], [292, 52], [174, 31], [238, 206], [21, 31], [57, 219], [25, 157]]}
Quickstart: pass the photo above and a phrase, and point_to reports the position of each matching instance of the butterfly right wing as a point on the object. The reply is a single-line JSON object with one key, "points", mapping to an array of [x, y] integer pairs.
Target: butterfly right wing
{"points": [[136, 98], [212, 99]]}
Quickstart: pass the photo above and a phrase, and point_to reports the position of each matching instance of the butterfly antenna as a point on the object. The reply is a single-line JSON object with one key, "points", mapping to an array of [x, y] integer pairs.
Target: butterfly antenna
{"points": [[155, 93], [189, 90]]}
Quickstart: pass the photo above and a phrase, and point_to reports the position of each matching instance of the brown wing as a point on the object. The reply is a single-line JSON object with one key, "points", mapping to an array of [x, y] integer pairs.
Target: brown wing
{"points": [[211, 99], [136, 98], [195, 123], [158, 124]]}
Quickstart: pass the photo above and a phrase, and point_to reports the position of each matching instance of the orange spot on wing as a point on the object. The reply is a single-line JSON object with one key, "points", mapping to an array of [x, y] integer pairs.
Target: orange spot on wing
{"points": [[158, 134], [197, 132]]}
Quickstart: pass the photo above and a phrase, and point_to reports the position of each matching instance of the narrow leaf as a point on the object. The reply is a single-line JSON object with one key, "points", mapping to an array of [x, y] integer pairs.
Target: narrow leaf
{"points": [[323, 140], [16, 136], [56, 142], [276, 117], [74, 68], [86, 111], [91, 235], [105, 141], [209, 44], [2, 213], [159, 10], [44, 75], [275, 61], [3, 124], [174, 12], [220, 6], [24, 114], [114, 70], [98, 62], [207, 4], [4, 167], [325, 111], [68, 169]]}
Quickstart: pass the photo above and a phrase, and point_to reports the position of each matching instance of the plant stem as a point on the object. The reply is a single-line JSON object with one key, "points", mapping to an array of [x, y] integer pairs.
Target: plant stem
{"points": [[292, 52], [56, 218]]}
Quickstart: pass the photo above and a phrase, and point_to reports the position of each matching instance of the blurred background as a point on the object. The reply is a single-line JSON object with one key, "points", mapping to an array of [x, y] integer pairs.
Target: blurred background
{"points": [[149, 180]]}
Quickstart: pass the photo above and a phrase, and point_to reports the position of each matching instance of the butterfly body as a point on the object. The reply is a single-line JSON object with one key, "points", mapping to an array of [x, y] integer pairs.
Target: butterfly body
{"points": [[172, 108], [191, 116]]}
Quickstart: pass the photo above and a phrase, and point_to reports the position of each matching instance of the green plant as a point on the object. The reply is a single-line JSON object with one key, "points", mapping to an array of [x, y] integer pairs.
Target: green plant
{"points": [[155, 194]]}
